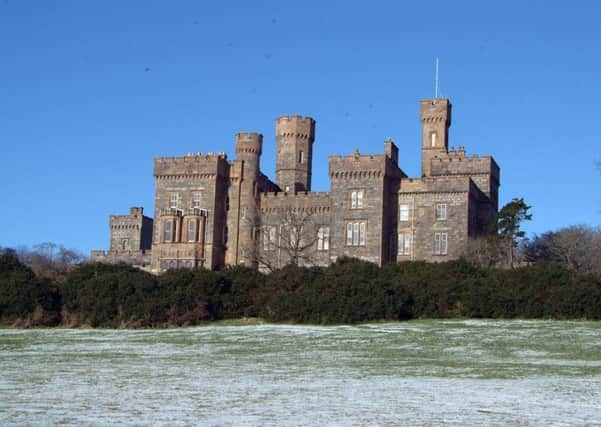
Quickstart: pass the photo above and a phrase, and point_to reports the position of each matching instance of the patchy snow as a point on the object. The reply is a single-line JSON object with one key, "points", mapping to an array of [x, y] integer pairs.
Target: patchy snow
{"points": [[461, 372]]}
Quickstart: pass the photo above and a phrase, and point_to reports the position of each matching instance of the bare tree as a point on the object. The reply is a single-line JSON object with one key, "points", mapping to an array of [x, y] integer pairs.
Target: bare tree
{"points": [[485, 252], [576, 247], [287, 237], [49, 259]]}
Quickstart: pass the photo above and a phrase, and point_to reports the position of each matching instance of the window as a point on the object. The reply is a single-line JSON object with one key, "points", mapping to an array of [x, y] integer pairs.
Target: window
{"points": [[173, 201], [355, 233], [404, 243], [196, 199], [168, 230], [191, 230], [433, 139], [301, 157], [287, 189], [404, 212], [124, 244], [243, 212], [269, 238], [440, 243], [357, 199], [323, 239], [441, 211]]}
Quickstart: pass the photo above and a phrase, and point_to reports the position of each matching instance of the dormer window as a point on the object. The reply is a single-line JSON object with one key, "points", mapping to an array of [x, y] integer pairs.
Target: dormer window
{"points": [[433, 139]]}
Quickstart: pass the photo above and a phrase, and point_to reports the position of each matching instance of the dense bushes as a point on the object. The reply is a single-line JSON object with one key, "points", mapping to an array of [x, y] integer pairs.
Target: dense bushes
{"points": [[348, 291], [25, 300]]}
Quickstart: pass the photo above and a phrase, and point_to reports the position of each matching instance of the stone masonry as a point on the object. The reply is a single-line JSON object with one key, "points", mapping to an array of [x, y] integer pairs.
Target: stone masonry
{"points": [[211, 212]]}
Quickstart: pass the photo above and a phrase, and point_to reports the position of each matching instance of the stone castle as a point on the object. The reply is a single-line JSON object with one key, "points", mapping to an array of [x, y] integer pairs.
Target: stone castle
{"points": [[210, 212]]}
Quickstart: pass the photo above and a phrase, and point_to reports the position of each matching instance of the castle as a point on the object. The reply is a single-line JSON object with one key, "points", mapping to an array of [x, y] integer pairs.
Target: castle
{"points": [[210, 212]]}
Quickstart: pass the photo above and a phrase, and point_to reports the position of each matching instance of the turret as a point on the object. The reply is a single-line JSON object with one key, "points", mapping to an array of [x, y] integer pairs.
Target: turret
{"points": [[249, 146], [435, 115], [294, 136], [243, 200]]}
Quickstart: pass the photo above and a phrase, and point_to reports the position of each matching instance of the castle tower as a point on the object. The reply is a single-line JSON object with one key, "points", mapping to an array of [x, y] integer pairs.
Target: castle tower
{"points": [[294, 136], [244, 198], [249, 146], [435, 115]]}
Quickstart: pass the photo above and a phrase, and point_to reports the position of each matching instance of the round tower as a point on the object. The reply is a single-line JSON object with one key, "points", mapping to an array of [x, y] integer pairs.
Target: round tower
{"points": [[294, 137], [245, 198], [249, 146]]}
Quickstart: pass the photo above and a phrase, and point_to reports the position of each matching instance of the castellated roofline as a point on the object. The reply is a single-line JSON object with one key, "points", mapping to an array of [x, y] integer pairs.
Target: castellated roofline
{"points": [[192, 158], [300, 200], [301, 194], [250, 143], [190, 164], [295, 118], [435, 110], [457, 162], [295, 126], [248, 136]]}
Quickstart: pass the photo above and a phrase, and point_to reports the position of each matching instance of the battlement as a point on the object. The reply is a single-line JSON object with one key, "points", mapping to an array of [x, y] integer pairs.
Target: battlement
{"points": [[456, 162], [249, 143], [295, 126], [435, 110], [305, 195], [249, 137], [136, 211], [447, 184], [298, 200], [124, 221], [191, 164], [361, 165]]}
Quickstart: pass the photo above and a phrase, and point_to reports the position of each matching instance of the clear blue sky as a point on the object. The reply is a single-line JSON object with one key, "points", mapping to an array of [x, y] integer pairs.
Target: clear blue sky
{"points": [[92, 91]]}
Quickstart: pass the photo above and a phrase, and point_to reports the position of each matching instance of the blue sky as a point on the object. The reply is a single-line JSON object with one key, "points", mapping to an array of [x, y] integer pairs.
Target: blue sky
{"points": [[92, 91]]}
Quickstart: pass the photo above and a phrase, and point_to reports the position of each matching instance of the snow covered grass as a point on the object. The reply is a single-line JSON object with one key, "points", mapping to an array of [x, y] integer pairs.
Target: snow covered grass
{"points": [[463, 372]]}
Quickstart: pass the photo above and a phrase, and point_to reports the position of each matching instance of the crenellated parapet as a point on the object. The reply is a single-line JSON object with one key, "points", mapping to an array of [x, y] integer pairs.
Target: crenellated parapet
{"points": [[361, 166], [456, 162], [447, 184], [296, 126], [315, 202], [192, 164], [249, 143], [435, 111]]}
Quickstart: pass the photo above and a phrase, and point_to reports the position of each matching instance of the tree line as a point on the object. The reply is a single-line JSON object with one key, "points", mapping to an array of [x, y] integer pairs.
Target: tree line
{"points": [[347, 291], [504, 275]]}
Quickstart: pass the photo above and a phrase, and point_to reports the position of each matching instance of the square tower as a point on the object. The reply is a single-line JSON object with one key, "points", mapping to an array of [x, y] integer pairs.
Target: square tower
{"points": [[435, 115]]}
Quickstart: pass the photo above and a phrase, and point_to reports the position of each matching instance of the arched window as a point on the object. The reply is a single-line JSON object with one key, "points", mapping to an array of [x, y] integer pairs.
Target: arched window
{"points": [[433, 139]]}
